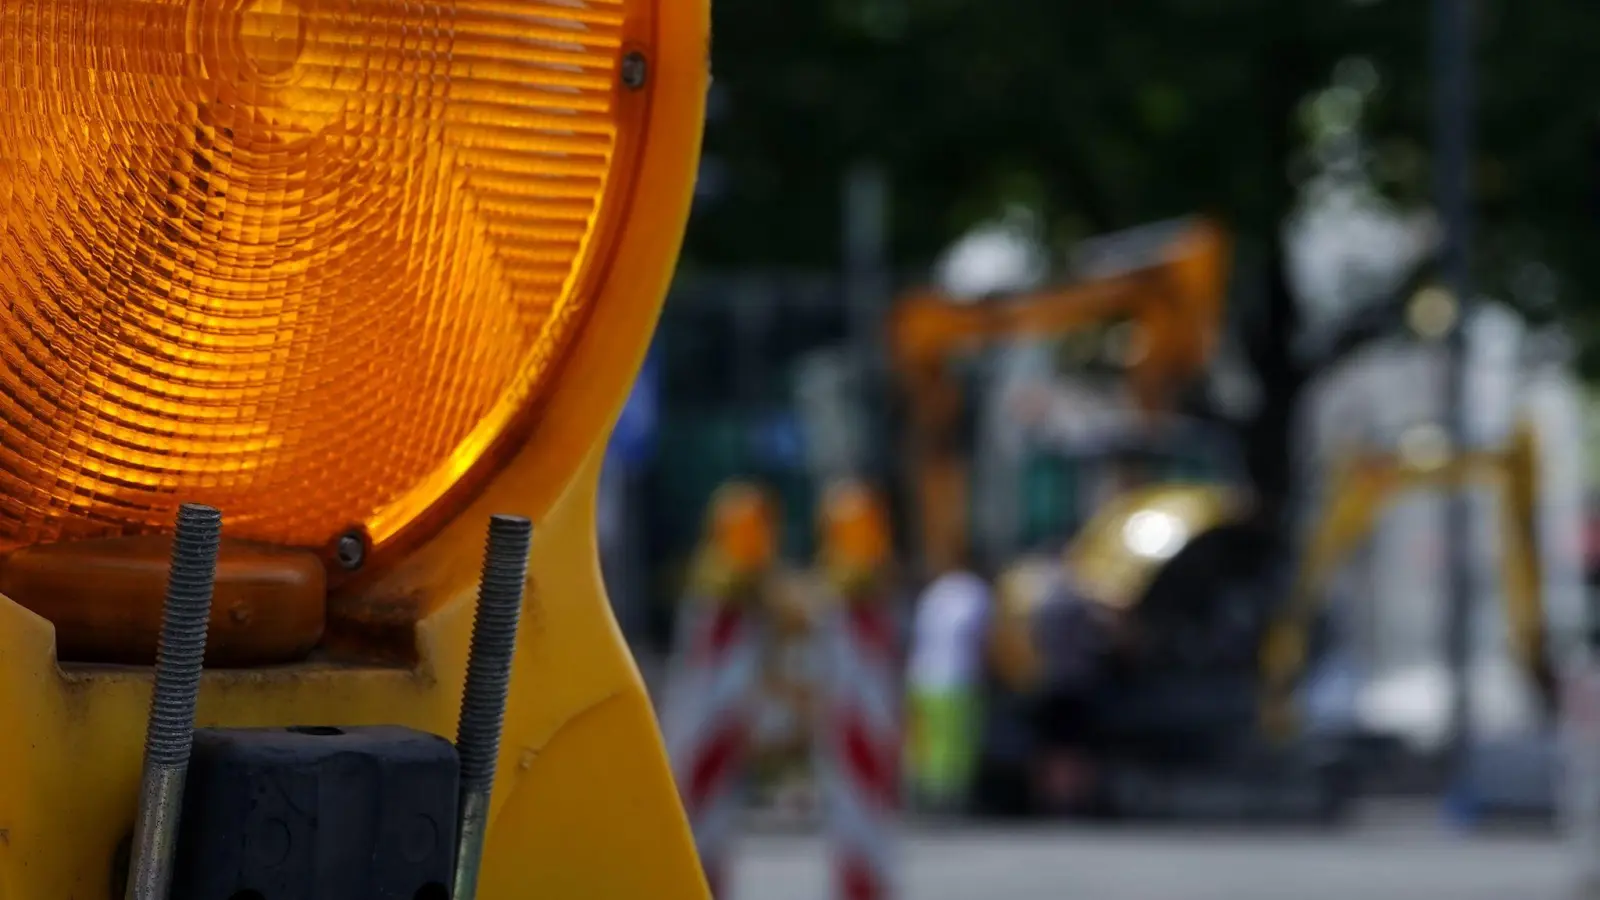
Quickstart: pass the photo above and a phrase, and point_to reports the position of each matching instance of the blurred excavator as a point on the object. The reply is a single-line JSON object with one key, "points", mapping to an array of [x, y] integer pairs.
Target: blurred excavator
{"points": [[1165, 284], [1175, 634], [1163, 646]]}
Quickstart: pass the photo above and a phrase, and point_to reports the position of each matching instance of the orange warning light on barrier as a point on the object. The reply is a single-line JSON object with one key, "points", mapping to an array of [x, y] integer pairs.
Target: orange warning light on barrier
{"points": [[742, 527], [854, 526]]}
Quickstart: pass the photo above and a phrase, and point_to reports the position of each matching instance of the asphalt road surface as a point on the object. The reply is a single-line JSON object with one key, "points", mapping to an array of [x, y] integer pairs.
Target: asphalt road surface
{"points": [[1408, 860]]}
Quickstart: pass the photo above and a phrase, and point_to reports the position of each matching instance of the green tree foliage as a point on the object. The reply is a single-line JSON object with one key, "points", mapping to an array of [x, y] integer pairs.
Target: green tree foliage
{"points": [[1107, 113], [1102, 114], [1535, 177]]}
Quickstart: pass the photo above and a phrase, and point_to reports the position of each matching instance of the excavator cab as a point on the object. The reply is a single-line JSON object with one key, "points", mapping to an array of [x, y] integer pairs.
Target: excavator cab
{"points": [[321, 288]]}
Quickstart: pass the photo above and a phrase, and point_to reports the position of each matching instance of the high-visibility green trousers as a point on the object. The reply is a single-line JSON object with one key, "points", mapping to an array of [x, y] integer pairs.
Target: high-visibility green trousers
{"points": [[943, 745]]}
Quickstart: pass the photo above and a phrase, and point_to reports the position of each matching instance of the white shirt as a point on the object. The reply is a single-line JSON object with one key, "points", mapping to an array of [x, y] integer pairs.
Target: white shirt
{"points": [[947, 636]]}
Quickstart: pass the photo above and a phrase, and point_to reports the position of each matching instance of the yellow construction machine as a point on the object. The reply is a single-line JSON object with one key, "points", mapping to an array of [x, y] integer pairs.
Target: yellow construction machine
{"points": [[1171, 292], [1166, 286], [1205, 622], [1118, 557], [1186, 619], [320, 288], [1363, 486]]}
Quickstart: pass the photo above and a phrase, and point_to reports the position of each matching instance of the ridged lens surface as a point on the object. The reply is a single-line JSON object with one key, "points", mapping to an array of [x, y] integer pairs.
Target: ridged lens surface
{"points": [[301, 260]]}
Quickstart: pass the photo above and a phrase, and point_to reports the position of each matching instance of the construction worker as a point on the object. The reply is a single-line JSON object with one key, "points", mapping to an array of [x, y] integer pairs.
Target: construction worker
{"points": [[945, 685]]}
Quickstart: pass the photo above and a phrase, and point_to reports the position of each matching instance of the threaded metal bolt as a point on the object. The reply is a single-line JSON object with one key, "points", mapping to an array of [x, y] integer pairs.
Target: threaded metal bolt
{"points": [[483, 699], [169, 734]]}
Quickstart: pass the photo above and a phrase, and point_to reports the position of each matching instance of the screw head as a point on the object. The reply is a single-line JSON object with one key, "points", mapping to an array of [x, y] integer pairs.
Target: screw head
{"points": [[352, 550], [635, 70]]}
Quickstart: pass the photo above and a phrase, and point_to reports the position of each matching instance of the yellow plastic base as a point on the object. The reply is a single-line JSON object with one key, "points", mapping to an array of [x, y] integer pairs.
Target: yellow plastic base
{"points": [[584, 803]]}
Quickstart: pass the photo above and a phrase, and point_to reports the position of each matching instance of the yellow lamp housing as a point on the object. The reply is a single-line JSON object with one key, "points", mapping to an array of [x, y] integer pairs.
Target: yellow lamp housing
{"points": [[360, 275]]}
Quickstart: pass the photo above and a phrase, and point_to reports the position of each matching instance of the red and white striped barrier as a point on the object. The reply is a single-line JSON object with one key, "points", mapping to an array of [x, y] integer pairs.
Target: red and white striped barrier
{"points": [[707, 722], [708, 719], [857, 749]]}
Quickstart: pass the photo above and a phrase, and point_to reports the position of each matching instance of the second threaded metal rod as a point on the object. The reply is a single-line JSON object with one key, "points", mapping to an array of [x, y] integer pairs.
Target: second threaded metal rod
{"points": [[169, 735], [483, 700]]}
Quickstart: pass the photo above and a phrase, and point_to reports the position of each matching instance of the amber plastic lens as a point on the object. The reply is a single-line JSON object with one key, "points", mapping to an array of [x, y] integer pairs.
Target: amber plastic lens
{"points": [[855, 526], [307, 261], [742, 526]]}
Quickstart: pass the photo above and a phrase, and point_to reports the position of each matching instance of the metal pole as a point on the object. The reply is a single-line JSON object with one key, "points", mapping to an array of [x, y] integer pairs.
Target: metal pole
{"points": [[1453, 128], [483, 699], [867, 285], [169, 734], [866, 254]]}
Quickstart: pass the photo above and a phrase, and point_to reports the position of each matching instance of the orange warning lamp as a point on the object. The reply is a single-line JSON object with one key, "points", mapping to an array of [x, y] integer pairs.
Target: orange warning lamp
{"points": [[357, 274], [855, 534], [327, 267], [318, 264], [742, 527]]}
